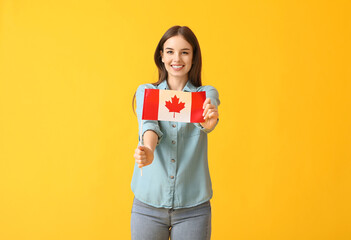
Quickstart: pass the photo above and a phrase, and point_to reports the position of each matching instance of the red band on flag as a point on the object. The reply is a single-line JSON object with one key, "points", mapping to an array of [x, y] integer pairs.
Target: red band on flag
{"points": [[197, 101], [150, 108]]}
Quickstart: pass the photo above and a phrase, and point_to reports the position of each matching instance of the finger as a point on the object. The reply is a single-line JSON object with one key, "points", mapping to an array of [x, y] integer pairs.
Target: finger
{"points": [[140, 161], [142, 158], [140, 152], [210, 109], [207, 101], [140, 165], [207, 114], [139, 157], [207, 107], [211, 113]]}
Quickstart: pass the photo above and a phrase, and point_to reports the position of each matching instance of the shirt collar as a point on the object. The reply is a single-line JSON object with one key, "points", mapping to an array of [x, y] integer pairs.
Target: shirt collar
{"points": [[189, 87], [163, 85]]}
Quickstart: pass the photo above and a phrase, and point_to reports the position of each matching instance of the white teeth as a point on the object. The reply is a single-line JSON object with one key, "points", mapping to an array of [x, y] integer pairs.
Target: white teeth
{"points": [[177, 66]]}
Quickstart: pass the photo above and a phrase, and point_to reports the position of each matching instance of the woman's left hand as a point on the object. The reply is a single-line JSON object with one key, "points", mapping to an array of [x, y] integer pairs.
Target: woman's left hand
{"points": [[210, 114]]}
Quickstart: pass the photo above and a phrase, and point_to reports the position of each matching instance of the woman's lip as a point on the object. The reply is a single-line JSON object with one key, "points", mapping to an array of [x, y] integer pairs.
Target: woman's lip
{"points": [[177, 69]]}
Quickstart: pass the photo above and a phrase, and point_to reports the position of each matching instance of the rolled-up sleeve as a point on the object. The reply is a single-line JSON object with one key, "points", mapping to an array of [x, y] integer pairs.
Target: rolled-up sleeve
{"points": [[213, 94], [145, 125]]}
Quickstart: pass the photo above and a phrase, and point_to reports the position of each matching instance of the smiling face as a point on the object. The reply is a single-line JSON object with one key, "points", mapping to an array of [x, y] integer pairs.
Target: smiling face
{"points": [[177, 56]]}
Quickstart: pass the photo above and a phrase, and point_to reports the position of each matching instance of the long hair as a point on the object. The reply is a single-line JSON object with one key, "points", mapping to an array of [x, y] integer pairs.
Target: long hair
{"points": [[194, 75]]}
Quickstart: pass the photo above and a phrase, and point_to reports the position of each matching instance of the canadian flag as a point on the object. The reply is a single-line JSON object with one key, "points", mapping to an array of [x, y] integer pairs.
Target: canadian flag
{"points": [[176, 106]]}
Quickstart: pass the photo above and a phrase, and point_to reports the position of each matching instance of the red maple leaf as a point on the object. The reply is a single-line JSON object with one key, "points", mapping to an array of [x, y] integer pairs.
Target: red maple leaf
{"points": [[175, 105]]}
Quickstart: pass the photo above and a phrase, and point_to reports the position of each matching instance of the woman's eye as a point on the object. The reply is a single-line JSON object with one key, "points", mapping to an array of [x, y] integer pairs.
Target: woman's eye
{"points": [[185, 53], [169, 52]]}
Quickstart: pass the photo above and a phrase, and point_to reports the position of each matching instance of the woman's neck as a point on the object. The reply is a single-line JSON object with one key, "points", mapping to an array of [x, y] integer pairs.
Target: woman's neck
{"points": [[176, 83]]}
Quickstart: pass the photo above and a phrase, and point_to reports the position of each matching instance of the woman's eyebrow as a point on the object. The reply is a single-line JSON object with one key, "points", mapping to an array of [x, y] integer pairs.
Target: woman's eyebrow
{"points": [[180, 49]]}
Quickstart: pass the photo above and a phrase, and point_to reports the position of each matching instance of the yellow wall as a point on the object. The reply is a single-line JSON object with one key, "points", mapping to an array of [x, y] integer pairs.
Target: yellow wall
{"points": [[280, 159]]}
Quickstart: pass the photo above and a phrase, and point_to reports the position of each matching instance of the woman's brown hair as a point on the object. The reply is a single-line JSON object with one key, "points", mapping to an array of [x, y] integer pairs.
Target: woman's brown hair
{"points": [[194, 74]]}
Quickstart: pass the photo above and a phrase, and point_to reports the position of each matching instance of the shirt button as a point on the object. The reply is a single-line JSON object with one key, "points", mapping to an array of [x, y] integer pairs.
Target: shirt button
{"points": [[173, 141], [172, 177], [173, 160], [173, 125]]}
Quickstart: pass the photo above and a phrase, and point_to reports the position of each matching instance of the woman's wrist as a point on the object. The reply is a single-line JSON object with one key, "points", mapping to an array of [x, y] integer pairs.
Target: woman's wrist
{"points": [[150, 140]]}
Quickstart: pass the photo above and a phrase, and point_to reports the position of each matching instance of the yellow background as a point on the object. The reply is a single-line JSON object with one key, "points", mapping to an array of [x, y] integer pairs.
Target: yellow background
{"points": [[280, 158]]}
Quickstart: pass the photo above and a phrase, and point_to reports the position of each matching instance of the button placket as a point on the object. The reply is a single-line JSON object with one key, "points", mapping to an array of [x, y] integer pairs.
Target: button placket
{"points": [[173, 156]]}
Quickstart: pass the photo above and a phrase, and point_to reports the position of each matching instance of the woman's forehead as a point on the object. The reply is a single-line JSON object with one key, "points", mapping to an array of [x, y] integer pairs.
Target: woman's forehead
{"points": [[177, 42]]}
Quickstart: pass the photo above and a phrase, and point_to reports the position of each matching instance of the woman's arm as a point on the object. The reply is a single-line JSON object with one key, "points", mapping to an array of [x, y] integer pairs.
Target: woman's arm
{"points": [[150, 133], [144, 155]]}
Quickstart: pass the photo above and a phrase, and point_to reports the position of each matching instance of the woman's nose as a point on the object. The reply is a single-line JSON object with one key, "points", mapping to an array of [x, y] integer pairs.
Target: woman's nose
{"points": [[176, 57]]}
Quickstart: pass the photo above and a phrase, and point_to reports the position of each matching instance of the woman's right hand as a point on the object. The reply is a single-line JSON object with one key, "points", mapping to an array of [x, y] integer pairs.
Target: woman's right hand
{"points": [[143, 156]]}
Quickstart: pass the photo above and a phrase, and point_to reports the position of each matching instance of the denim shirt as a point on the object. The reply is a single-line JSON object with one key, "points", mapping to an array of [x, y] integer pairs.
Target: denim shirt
{"points": [[179, 175]]}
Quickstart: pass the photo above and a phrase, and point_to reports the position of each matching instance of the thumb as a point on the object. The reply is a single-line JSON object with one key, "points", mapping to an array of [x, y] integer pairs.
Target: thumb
{"points": [[141, 148]]}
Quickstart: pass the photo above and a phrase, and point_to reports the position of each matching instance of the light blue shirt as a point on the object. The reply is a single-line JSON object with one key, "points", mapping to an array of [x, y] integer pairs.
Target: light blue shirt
{"points": [[179, 176]]}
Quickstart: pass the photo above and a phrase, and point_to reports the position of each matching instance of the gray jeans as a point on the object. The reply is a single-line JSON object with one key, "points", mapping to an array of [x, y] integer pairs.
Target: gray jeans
{"points": [[150, 223]]}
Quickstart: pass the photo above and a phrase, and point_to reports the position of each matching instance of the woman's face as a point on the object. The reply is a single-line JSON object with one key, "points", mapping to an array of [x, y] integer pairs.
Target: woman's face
{"points": [[177, 56]]}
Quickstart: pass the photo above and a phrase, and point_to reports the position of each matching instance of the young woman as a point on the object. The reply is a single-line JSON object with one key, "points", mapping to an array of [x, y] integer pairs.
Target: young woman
{"points": [[172, 197]]}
